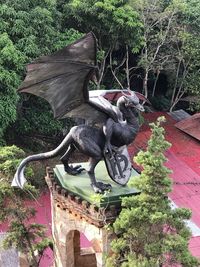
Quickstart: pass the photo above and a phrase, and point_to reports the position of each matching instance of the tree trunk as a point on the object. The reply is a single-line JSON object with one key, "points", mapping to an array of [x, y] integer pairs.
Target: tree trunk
{"points": [[155, 83], [145, 81]]}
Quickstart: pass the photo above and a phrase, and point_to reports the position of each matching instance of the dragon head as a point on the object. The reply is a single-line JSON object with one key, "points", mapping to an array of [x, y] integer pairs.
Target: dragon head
{"points": [[131, 100]]}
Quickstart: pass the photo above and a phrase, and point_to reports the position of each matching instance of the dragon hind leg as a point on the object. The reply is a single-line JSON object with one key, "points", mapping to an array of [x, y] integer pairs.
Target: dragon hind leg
{"points": [[73, 170]]}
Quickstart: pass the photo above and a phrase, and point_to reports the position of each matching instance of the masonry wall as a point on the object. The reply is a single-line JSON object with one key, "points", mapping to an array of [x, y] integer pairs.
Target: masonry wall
{"points": [[66, 234]]}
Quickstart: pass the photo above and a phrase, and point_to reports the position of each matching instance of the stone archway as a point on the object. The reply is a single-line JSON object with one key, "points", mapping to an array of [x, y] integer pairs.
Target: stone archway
{"points": [[66, 235], [83, 257]]}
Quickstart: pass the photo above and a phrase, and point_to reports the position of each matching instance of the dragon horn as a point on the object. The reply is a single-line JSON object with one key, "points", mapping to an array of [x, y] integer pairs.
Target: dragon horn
{"points": [[130, 94], [127, 92]]}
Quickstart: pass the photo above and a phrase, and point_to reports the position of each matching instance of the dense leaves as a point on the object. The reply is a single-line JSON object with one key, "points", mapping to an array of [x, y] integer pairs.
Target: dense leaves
{"points": [[186, 78], [20, 40], [116, 25], [111, 21], [28, 29]]}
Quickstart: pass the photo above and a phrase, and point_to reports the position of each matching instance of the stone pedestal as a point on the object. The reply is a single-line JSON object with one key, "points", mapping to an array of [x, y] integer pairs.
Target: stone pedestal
{"points": [[75, 210]]}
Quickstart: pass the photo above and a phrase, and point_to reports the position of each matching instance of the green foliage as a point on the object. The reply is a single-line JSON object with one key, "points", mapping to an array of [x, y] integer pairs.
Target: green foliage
{"points": [[37, 119], [160, 19], [20, 41], [9, 196], [116, 25], [160, 102], [10, 156], [28, 29], [186, 78], [30, 25], [67, 37], [149, 232], [27, 237], [10, 59], [190, 50], [10, 153], [23, 235], [119, 22], [43, 244]]}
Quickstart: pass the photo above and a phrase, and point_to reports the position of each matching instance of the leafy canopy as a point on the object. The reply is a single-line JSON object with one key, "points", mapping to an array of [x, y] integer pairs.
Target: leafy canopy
{"points": [[28, 29], [111, 21]]}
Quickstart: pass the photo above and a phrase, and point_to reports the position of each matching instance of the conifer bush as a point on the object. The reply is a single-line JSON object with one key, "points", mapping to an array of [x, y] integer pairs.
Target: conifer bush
{"points": [[149, 232]]}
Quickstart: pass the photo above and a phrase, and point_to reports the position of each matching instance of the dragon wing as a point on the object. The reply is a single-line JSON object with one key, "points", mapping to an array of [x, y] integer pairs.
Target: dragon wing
{"points": [[62, 79]]}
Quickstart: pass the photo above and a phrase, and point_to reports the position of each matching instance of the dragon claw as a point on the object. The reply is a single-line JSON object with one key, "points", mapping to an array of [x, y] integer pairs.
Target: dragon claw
{"points": [[109, 149], [97, 189], [100, 187], [74, 170]]}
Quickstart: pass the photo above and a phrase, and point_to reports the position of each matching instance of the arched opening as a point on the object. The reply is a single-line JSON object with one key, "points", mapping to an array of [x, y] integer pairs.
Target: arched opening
{"points": [[85, 256]]}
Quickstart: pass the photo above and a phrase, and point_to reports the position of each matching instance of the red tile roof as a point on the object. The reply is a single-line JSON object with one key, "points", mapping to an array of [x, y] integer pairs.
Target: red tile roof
{"points": [[195, 246], [190, 125]]}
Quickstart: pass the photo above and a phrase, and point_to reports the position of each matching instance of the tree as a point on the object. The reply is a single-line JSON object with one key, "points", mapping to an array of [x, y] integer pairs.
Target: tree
{"points": [[159, 19], [170, 47], [20, 41], [28, 238], [116, 26], [185, 78], [149, 232], [24, 236], [28, 29]]}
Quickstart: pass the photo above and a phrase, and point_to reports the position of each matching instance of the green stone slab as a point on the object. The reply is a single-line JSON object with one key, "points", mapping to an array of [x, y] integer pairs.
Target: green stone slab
{"points": [[80, 185]]}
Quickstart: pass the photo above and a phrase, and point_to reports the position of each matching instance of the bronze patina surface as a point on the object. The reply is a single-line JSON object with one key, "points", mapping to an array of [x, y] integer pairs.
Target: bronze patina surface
{"points": [[62, 79]]}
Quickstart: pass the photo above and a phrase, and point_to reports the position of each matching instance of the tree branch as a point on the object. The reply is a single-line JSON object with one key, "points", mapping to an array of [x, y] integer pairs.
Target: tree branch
{"points": [[127, 69], [113, 73]]}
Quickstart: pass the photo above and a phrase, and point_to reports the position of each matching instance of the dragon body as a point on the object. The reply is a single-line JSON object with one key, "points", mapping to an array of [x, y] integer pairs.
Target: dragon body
{"points": [[113, 126]]}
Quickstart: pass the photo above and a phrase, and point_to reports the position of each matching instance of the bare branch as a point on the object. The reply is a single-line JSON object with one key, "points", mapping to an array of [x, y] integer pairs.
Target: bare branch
{"points": [[176, 81], [121, 64], [163, 39], [113, 73], [127, 68], [155, 83], [102, 68]]}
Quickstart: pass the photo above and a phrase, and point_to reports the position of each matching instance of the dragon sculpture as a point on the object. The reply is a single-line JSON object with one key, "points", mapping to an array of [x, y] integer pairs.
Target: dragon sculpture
{"points": [[62, 79]]}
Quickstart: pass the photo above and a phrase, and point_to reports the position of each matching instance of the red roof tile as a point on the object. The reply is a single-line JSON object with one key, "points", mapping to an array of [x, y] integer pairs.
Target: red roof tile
{"points": [[195, 246], [190, 125]]}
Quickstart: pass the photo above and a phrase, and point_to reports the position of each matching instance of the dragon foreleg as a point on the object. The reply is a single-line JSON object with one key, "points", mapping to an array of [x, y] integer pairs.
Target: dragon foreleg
{"points": [[108, 131]]}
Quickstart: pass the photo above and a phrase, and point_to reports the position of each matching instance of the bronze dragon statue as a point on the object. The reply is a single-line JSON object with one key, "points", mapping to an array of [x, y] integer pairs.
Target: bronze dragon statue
{"points": [[62, 79]]}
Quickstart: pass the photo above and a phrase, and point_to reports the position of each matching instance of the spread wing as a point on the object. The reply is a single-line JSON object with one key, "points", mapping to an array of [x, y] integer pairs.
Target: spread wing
{"points": [[62, 79]]}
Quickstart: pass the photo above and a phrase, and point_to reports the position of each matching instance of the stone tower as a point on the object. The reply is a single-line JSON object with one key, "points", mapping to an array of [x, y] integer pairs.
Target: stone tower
{"points": [[76, 209]]}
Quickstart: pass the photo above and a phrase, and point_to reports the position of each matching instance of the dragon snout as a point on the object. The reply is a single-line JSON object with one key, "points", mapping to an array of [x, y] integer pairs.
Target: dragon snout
{"points": [[140, 107], [136, 105]]}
